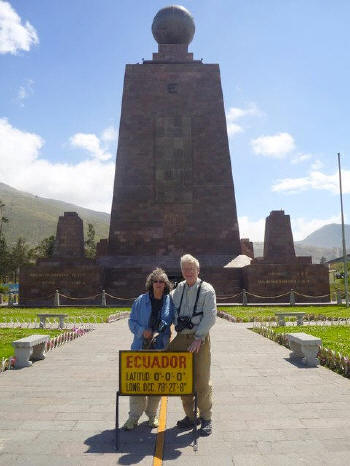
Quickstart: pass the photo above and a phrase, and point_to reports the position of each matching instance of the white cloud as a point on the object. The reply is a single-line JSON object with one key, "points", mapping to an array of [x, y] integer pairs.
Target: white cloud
{"points": [[315, 180], [317, 165], [299, 158], [254, 230], [235, 114], [25, 91], [14, 35], [92, 144], [301, 227], [233, 128], [88, 183], [277, 146], [109, 134]]}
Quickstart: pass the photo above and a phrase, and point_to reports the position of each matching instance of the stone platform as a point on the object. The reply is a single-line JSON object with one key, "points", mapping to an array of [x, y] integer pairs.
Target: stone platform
{"points": [[267, 411]]}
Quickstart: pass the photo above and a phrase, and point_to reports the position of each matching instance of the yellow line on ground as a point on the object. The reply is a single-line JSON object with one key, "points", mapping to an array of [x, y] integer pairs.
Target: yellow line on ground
{"points": [[158, 454]]}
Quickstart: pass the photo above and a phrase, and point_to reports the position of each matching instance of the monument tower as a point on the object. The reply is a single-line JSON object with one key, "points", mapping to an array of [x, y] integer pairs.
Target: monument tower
{"points": [[173, 194], [173, 190]]}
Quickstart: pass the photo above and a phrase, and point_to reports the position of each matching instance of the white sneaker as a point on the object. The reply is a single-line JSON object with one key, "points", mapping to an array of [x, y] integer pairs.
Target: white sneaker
{"points": [[130, 424], [153, 422]]}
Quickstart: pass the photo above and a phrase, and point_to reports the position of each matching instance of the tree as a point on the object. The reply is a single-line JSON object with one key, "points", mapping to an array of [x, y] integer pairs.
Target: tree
{"points": [[90, 243], [45, 248], [19, 255], [3, 219], [323, 260], [4, 259], [4, 252]]}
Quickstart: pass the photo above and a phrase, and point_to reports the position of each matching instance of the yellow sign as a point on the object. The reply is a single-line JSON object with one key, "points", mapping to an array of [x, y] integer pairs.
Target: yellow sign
{"points": [[155, 373]]}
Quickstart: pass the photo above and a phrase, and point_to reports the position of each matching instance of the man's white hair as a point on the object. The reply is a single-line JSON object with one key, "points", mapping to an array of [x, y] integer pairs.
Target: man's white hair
{"points": [[188, 259]]}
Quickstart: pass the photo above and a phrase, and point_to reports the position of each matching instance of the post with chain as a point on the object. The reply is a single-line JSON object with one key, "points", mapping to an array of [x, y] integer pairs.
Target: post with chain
{"points": [[244, 297], [339, 298], [56, 301], [292, 298], [103, 302]]}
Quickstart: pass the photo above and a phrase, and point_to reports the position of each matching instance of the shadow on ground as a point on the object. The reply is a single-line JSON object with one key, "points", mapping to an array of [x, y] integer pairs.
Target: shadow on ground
{"points": [[298, 363], [134, 446]]}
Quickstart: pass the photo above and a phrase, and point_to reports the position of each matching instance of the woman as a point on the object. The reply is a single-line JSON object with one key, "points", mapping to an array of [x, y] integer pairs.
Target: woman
{"points": [[151, 316]]}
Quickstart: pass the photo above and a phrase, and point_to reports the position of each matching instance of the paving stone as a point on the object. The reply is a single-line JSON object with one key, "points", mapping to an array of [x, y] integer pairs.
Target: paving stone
{"points": [[249, 460], [296, 459], [290, 446], [51, 407]]}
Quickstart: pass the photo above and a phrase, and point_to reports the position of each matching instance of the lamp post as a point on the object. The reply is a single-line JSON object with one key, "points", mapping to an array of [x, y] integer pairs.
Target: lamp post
{"points": [[343, 237]]}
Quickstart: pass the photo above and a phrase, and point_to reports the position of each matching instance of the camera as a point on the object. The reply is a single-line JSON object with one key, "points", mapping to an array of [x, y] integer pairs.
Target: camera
{"points": [[182, 323]]}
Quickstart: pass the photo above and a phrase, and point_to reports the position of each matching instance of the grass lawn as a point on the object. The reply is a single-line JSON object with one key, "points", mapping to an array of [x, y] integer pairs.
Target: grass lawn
{"points": [[248, 313], [86, 313], [8, 335], [242, 313], [336, 337]]}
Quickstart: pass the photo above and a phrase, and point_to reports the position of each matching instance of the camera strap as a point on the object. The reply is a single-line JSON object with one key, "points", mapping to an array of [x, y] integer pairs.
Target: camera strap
{"points": [[194, 312]]}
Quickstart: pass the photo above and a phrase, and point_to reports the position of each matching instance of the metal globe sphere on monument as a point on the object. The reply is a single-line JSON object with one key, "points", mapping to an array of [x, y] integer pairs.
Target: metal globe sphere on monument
{"points": [[173, 25]]}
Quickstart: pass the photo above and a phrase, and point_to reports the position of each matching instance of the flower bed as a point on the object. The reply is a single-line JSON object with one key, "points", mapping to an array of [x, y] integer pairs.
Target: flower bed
{"points": [[65, 337], [334, 360]]}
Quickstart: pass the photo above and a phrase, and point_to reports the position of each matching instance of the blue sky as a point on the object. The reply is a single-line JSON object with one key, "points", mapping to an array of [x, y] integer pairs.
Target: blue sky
{"points": [[285, 76]]}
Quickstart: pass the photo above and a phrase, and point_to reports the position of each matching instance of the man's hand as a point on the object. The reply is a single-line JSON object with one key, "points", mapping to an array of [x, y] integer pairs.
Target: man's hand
{"points": [[148, 333], [195, 346]]}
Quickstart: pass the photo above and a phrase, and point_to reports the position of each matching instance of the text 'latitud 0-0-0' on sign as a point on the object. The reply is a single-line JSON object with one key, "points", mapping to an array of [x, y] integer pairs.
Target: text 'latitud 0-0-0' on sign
{"points": [[155, 373]]}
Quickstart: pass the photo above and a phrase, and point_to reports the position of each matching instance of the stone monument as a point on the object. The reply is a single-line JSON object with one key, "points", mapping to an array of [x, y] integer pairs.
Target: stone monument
{"points": [[247, 247], [173, 190], [278, 242], [67, 270], [69, 240], [279, 271], [173, 193]]}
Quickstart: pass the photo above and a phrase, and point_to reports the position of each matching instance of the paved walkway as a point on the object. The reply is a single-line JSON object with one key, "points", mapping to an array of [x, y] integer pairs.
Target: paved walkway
{"points": [[267, 410]]}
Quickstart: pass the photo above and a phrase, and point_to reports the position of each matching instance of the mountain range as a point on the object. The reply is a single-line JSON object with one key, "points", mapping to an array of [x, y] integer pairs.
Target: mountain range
{"points": [[328, 236], [35, 218]]}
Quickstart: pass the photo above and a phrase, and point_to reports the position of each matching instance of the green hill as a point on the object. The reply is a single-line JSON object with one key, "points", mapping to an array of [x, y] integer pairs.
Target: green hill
{"points": [[35, 218], [328, 236]]}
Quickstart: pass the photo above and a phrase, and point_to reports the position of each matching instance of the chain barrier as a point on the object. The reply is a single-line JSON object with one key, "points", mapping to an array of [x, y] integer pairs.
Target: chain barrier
{"points": [[268, 297], [75, 299], [41, 297], [229, 297], [309, 296], [122, 299], [222, 297]]}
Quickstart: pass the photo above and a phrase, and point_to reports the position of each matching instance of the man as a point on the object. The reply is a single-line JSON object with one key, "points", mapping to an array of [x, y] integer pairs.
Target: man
{"points": [[195, 314]]}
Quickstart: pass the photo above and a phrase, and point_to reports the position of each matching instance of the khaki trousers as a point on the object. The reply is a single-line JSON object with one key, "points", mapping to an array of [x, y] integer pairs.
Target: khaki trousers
{"points": [[140, 404], [202, 383]]}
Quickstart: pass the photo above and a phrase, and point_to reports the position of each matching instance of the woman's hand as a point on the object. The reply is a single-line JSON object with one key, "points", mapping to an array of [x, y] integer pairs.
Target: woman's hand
{"points": [[148, 333]]}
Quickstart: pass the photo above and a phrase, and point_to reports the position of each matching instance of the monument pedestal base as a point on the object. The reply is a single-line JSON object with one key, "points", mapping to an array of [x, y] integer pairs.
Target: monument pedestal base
{"points": [[38, 284], [265, 283], [125, 281]]}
